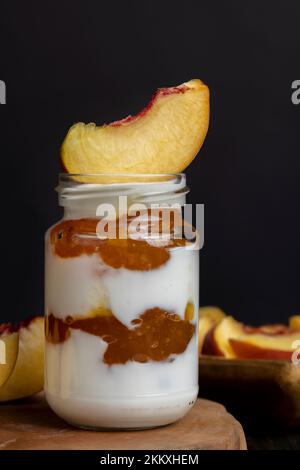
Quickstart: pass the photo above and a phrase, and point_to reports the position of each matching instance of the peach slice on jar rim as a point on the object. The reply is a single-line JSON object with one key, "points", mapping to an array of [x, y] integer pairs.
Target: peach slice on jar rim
{"points": [[162, 138], [9, 348]]}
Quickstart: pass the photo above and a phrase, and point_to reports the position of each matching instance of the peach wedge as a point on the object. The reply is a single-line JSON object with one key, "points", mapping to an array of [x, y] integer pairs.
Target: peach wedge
{"points": [[9, 347], [163, 138], [27, 376], [209, 317], [236, 340]]}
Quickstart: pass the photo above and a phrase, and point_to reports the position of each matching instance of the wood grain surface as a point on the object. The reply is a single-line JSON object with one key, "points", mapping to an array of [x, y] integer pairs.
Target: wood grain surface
{"points": [[30, 424]]}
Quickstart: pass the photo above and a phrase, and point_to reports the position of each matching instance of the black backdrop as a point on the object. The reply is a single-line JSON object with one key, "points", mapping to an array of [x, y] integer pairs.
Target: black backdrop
{"points": [[97, 61]]}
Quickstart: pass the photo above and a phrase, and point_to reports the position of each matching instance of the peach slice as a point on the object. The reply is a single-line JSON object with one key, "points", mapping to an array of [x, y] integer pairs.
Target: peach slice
{"points": [[210, 346], [213, 313], [27, 376], [9, 347], [294, 322], [244, 350], [236, 340], [208, 318], [163, 138]]}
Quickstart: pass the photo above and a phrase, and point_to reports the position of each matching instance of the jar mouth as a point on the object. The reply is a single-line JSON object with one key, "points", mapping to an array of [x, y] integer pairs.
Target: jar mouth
{"points": [[76, 189], [119, 178]]}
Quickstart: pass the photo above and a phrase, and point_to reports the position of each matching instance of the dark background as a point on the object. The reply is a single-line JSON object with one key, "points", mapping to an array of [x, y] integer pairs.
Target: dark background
{"points": [[97, 61]]}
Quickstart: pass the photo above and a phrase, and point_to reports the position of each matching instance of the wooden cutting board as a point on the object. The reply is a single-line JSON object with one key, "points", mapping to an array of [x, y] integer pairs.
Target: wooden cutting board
{"points": [[31, 425]]}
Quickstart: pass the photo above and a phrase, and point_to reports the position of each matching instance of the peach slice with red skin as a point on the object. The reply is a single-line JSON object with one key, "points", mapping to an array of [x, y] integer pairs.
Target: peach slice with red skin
{"points": [[163, 138], [244, 350], [27, 376], [235, 340], [208, 317], [209, 346], [9, 347]]}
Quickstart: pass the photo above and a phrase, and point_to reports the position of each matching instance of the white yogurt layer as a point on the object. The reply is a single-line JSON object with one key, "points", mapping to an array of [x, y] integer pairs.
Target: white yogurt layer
{"points": [[75, 367], [169, 287], [123, 412], [73, 286]]}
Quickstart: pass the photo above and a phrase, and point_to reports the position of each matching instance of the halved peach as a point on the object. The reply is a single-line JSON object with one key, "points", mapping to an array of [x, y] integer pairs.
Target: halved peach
{"points": [[27, 376], [163, 138], [9, 347]]}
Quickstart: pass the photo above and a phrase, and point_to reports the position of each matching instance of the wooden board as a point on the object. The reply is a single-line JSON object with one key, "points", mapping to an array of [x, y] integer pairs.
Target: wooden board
{"points": [[30, 424]]}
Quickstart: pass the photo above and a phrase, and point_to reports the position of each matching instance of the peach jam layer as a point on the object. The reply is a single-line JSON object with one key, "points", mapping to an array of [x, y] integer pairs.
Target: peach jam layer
{"points": [[154, 336], [72, 238]]}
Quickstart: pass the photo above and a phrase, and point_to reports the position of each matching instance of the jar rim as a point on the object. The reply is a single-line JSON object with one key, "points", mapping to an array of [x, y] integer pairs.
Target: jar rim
{"points": [[118, 178], [76, 188]]}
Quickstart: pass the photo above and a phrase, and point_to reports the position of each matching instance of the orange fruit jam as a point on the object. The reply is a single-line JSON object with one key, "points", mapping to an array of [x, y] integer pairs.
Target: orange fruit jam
{"points": [[71, 238], [155, 335]]}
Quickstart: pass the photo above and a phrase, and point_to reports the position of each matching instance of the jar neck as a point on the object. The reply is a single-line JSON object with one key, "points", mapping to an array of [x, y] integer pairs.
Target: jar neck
{"points": [[81, 195]]}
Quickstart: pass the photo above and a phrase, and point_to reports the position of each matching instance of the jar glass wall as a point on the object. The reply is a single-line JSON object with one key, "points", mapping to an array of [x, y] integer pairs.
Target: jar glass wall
{"points": [[121, 312]]}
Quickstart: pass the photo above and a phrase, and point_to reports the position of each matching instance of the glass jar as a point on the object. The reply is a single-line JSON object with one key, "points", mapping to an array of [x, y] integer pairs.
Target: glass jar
{"points": [[121, 311]]}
